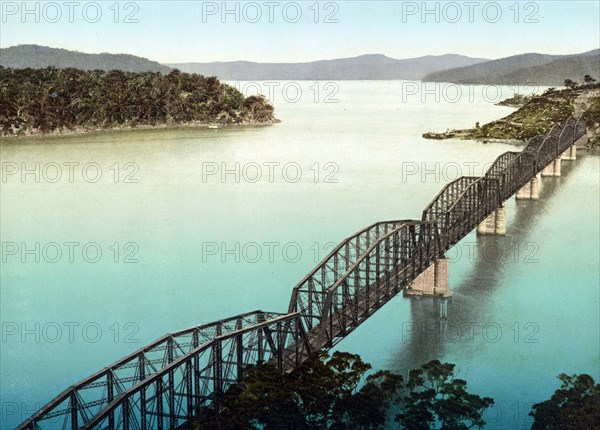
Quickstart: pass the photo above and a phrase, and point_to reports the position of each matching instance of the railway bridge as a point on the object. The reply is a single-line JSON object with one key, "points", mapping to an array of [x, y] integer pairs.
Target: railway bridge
{"points": [[164, 384]]}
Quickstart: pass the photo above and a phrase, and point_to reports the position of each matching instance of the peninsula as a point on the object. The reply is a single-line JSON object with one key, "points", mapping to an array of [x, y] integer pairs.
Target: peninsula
{"points": [[51, 100], [537, 115]]}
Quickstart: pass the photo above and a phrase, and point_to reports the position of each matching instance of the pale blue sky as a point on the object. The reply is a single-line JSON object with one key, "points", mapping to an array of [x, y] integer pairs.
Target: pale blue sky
{"points": [[178, 31]]}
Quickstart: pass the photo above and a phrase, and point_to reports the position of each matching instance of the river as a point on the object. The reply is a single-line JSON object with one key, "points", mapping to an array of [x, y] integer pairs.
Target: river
{"points": [[110, 240]]}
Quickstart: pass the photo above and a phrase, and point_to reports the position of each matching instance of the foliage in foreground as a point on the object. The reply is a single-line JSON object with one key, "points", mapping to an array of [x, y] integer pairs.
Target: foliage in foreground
{"points": [[333, 393], [574, 406], [47, 100]]}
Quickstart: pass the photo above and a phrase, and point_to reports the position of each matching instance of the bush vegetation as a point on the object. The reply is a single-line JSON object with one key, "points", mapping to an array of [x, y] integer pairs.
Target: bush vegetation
{"points": [[48, 100]]}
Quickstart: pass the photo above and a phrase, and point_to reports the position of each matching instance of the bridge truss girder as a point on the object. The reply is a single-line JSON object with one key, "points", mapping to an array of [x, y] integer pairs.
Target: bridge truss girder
{"points": [[162, 385]]}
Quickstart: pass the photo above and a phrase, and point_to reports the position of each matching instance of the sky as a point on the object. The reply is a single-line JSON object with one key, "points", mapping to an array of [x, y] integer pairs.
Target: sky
{"points": [[288, 31]]}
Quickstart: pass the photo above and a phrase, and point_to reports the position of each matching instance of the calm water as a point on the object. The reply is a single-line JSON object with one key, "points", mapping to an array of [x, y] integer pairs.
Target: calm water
{"points": [[181, 245]]}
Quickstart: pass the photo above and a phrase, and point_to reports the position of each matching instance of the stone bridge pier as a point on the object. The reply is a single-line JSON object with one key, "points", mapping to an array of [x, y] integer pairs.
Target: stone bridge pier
{"points": [[553, 169], [570, 154], [495, 223], [432, 282], [531, 190]]}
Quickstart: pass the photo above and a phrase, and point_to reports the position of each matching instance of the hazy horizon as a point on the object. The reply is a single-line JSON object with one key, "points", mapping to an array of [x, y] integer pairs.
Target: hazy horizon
{"points": [[297, 32], [307, 61]]}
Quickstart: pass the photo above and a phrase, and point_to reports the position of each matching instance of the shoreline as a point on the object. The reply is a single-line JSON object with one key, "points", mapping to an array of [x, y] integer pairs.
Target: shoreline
{"points": [[507, 141], [465, 135], [125, 128]]}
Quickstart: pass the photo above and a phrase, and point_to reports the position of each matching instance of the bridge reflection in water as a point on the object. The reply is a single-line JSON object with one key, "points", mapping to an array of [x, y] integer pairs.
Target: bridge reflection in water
{"points": [[164, 384], [424, 336]]}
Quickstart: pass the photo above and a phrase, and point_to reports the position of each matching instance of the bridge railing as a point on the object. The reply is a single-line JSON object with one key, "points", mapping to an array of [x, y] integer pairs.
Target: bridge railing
{"points": [[573, 130], [534, 144], [466, 201], [550, 148], [567, 135], [500, 165], [579, 130]]}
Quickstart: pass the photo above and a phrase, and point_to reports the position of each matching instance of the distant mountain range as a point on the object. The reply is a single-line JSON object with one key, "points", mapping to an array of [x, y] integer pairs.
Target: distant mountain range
{"points": [[539, 69], [372, 67], [36, 57]]}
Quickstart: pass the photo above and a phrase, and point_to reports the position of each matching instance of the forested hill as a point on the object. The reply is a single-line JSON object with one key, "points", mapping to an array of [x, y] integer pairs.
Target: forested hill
{"points": [[537, 69], [34, 101], [39, 57]]}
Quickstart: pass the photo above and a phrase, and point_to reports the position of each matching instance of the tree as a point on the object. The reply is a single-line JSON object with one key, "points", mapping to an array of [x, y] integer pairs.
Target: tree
{"points": [[332, 392], [50, 99], [571, 84], [588, 79], [574, 406], [435, 396], [258, 108], [323, 393]]}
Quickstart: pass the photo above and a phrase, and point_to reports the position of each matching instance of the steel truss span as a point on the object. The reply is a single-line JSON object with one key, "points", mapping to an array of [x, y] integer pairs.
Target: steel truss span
{"points": [[165, 383]]}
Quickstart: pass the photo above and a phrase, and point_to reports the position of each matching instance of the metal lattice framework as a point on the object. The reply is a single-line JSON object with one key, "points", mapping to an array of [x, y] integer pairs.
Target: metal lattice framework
{"points": [[164, 384], [550, 148], [472, 206], [461, 205], [309, 295], [386, 266], [513, 170], [437, 209]]}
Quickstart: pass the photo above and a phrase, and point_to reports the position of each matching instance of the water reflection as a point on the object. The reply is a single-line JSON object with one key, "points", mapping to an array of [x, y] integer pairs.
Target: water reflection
{"points": [[486, 261]]}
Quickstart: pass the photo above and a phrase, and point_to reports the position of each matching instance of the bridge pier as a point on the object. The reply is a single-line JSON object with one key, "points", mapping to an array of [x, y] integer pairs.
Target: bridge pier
{"points": [[531, 190], [583, 140], [570, 154], [432, 282], [495, 223], [552, 169]]}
